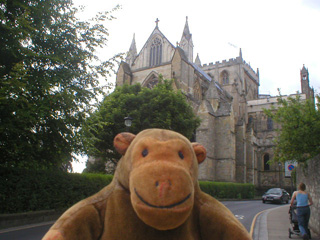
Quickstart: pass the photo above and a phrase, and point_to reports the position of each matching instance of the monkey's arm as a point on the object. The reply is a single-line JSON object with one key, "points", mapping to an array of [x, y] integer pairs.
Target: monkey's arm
{"points": [[84, 220]]}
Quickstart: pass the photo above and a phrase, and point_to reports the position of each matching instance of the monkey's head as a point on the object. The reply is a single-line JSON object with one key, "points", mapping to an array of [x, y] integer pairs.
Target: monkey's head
{"points": [[160, 169]]}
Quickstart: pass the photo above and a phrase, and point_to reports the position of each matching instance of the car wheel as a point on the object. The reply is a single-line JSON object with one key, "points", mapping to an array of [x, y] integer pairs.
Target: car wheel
{"points": [[263, 201]]}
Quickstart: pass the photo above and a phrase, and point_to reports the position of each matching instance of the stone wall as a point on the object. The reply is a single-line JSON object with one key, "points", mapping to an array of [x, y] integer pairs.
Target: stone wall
{"points": [[142, 75], [204, 136], [310, 176]]}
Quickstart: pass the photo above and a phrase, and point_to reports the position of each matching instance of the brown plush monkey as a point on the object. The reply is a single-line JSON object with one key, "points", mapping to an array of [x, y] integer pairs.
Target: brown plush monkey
{"points": [[154, 195]]}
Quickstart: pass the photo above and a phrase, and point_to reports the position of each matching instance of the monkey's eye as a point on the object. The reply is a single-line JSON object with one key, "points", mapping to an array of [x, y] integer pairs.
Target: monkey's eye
{"points": [[145, 152], [181, 155]]}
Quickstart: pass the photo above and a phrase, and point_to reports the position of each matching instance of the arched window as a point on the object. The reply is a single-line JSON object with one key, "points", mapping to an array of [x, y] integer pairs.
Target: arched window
{"points": [[269, 123], [225, 77], [304, 77], [155, 52], [152, 81], [250, 123], [266, 166]]}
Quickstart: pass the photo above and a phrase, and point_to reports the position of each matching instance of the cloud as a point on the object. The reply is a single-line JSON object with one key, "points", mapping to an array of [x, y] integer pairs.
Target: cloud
{"points": [[314, 4]]}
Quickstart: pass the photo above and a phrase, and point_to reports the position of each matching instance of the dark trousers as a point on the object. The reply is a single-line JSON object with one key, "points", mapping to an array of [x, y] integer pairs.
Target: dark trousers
{"points": [[303, 214]]}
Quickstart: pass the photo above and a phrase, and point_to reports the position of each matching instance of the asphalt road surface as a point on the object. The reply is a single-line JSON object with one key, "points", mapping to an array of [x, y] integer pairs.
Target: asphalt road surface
{"points": [[29, 232], [245, 211]]}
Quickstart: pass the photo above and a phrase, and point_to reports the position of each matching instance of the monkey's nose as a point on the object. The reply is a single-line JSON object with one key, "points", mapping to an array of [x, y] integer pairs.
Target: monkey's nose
{"points": [[163, 187]]}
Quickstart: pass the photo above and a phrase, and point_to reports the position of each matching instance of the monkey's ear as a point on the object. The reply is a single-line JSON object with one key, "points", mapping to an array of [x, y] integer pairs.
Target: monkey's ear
{"points": [[200, 152], [122, 141]]}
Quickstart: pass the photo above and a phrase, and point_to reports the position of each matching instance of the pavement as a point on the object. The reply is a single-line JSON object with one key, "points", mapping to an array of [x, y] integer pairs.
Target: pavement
{"points": [[273, 224]]}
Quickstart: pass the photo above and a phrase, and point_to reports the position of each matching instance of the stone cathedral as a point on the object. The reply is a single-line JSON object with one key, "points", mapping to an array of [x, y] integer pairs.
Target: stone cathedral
{"points": [[225, 95]]}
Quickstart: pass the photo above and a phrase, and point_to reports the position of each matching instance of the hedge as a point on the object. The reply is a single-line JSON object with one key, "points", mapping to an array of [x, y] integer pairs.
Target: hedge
{"points": [[30, 190], [223, 190]]}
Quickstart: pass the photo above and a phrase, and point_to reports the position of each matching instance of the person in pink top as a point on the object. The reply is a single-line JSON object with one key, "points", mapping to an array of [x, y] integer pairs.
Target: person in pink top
{"points": [[304, 200]]}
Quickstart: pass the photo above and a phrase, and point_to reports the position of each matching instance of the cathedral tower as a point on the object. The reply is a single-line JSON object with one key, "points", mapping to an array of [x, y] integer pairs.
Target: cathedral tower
{"points": [[186, 42], [305, 85], [132, 53]]}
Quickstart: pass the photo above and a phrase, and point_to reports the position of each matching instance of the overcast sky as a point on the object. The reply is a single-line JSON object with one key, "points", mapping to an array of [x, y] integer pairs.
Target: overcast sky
{"points": [[276, 36]]}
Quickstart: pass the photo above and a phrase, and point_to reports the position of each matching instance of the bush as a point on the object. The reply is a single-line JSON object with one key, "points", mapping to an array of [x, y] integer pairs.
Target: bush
{"points": [[228, 190], [29, 190]]}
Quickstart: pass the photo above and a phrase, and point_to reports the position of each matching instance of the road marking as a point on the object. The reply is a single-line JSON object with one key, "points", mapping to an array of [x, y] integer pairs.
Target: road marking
{"points": [[25, 227], [254, 222], [240, 217], [257, 215]]}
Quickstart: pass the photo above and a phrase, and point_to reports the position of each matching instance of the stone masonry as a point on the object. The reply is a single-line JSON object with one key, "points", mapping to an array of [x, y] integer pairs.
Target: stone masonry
{"points": [[225, 95]]}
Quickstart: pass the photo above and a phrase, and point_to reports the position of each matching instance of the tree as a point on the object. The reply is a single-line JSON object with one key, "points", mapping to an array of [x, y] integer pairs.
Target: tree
{"points": [[47, 80], [299, 136], [160, 107], [97, 166]]}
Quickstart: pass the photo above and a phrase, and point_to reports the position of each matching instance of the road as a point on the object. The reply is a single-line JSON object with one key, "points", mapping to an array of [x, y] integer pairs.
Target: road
{"points": [[245, 211], [30, 232]]}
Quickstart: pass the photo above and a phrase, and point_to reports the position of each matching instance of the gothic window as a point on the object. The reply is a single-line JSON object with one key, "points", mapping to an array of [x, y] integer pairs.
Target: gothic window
{"points": [[152, 81], [225, 77], [250, 123], [269, 124], [155, 52], [266, 166]]}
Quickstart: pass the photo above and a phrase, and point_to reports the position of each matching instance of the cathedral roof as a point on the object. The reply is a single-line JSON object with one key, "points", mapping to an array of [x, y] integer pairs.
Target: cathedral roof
{"points": [[182, 54], [201, 71], [126, 67], [197, 68]]}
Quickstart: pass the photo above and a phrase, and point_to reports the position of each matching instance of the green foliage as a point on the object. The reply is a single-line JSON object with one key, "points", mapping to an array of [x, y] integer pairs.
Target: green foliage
{"points": [[97, 166], [47, 80], [160, 107], [24, 190], [31, 190], [228, 190], [299, 136]]}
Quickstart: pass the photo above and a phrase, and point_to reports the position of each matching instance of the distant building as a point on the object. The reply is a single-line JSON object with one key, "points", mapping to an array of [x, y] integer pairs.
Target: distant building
{"points": [[225, 95]]}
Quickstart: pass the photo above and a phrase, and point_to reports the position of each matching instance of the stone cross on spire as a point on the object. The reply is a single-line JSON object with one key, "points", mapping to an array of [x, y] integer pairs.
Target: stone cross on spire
{"points": [[157, 21]]}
